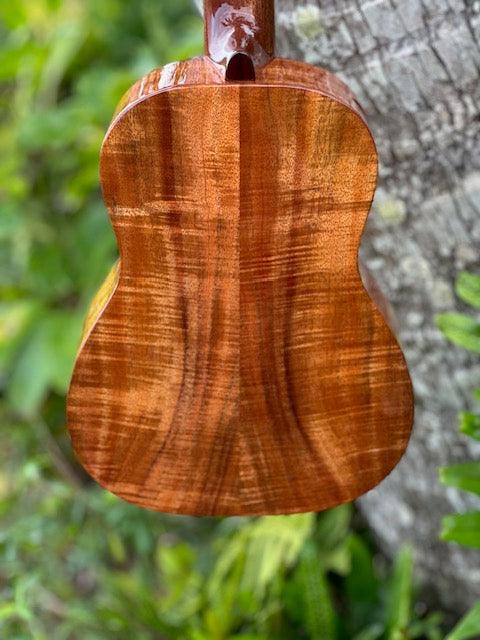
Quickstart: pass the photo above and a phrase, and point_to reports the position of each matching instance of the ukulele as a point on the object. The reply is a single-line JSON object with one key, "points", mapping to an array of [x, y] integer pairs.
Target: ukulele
{"points": [[233, 363]]}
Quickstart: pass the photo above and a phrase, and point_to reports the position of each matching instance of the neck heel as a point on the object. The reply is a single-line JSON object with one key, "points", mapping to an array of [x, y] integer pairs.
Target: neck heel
{"points": [[234, 27]]}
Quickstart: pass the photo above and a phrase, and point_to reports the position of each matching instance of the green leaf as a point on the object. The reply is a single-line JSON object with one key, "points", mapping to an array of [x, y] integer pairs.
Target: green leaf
{"points": [[338, 560], [372, 632], [273, 543], [333, 527], [46, 360], [460, 329], [467, 287], [198, 634], [320, 616], [332, 536], [31, 375], [429, 627], [64, 330], [470, 425], [13, 13], [400, 596], [463, 528], [66, 42], [468, 627], [48, 277], [8, 610], [15, 320], [464, 476], [362, 583]]}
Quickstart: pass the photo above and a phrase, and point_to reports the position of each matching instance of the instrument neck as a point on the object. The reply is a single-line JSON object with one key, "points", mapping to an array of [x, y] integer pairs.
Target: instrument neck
{"points": [[239, 27]]}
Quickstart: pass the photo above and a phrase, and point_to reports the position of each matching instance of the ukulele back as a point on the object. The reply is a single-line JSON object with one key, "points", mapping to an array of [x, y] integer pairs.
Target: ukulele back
{"points": [[236, 364]]}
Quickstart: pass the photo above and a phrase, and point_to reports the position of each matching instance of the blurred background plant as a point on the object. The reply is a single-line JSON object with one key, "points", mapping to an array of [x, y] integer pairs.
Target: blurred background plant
{"points": [[76, 562], [464, 329]]}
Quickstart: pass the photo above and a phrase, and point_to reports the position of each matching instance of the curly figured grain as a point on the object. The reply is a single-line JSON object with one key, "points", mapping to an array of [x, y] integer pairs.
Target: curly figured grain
{"points": [[239, 366]]}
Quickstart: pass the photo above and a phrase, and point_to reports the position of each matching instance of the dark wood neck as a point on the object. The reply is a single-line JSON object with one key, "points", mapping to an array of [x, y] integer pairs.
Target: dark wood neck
{"points": [[239, 27]]}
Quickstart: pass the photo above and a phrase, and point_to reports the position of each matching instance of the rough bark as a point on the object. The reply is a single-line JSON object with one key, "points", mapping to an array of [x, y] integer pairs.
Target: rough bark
{"points": [[415, 67]]}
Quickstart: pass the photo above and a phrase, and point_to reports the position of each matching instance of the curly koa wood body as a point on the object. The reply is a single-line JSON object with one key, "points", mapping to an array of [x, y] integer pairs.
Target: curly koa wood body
{"points": [[234, 363]]}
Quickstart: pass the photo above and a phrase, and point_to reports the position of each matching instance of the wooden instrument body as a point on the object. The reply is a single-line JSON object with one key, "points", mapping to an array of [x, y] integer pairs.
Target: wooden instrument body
{"points": [[235, 364]]}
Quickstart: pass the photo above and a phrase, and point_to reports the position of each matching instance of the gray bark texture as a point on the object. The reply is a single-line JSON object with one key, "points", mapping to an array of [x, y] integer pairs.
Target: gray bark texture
{"points": [[415, 67]]}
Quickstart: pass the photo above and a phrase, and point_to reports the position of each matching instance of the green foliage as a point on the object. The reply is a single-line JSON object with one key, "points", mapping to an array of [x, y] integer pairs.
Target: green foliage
{"points": [[464, 331], [460, 328], [318, 608], [84, 564], [468, 627], [468, 289], [400, 601], [464, 528], [462, 476], [470, 425]]}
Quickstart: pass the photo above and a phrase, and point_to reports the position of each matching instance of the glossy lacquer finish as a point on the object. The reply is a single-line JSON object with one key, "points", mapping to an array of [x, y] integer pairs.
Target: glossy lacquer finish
{"points": [[233, 362], [239, 26]]}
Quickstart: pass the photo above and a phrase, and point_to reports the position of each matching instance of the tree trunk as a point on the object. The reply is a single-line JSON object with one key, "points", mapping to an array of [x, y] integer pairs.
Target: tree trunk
{"points": [[415, 67]]}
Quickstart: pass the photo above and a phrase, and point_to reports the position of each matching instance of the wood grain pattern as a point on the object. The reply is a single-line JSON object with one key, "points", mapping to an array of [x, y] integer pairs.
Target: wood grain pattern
{"points": [[277, 72], [233, 363], [239, 366]]}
